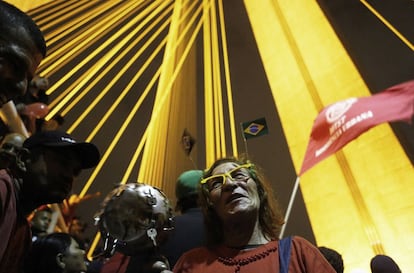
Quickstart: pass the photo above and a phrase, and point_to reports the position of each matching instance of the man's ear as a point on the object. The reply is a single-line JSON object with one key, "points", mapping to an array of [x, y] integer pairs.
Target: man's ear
{"points": [[22, 159], [59, 260], [24, 154]]}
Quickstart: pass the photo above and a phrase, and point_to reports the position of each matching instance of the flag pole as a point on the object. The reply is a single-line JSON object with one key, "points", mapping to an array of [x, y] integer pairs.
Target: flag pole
{"points": [[192, 161], [292, 198], [244, 140], [245, 146]]}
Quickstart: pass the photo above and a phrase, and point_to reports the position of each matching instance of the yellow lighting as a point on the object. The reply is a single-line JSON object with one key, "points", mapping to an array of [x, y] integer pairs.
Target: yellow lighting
{"points": [[122, 71], [227, 80], [388, 24], [69, 49], [358, 199], [164, 89]]}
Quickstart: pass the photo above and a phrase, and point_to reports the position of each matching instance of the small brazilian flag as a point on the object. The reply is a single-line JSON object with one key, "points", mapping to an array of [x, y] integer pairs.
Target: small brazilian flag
{"points": [[254, 128]]}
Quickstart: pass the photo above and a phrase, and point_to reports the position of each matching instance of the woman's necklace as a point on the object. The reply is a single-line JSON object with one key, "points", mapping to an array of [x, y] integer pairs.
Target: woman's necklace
{"points": [[238, 263]]}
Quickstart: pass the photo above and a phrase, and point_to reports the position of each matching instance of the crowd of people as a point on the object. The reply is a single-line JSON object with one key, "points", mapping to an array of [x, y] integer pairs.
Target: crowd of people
{"points": [[36, 169], [226, 217]]}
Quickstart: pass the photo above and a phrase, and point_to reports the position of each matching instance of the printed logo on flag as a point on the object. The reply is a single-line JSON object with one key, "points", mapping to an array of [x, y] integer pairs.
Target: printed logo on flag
{"points": [[340, 123], [337, 110]]}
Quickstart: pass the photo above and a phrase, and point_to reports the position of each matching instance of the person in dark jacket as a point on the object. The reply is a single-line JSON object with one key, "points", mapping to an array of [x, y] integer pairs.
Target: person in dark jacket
{"points": [[189, 231], [43, 172]]}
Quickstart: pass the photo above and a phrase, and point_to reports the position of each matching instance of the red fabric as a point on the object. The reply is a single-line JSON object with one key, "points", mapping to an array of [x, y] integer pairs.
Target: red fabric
{"points": [[304, 258], [14, 229], [342, 122], [7, 210], [118, 263]]}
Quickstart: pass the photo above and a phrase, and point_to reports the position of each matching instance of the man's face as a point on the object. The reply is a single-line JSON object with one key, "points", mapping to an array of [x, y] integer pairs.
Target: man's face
{"points": [[19, 59], [51, 176], [41, 220], [76, 227]]}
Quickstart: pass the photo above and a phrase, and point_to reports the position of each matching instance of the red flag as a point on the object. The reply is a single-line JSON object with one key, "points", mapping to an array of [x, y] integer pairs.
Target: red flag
{"points": [[340, 123]]}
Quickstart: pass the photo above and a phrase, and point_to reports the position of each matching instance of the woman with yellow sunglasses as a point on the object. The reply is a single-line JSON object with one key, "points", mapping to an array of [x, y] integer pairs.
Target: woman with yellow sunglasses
{"points": [[243, 223]]}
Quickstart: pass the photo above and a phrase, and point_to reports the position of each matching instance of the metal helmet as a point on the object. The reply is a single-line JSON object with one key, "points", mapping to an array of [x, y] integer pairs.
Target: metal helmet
{"points": [[134, 217]]}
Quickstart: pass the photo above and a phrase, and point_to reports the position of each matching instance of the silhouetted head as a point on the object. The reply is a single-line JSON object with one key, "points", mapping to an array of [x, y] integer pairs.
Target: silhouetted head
{"points": [[384, 264]]}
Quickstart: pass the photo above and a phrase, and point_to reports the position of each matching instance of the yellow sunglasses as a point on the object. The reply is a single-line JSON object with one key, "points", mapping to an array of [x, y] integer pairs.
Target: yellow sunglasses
{"points": [[218, 180]]}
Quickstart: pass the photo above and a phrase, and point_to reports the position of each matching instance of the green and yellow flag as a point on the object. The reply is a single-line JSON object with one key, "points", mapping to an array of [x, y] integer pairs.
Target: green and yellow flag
{"points": [[254, 128]]}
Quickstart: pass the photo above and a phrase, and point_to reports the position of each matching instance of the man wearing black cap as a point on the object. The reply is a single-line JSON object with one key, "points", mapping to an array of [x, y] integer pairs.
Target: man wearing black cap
{"points": [[51, 161]]}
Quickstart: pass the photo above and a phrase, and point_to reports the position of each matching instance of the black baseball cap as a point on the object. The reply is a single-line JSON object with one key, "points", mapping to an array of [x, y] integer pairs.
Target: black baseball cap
{"points": [[87, 152]]}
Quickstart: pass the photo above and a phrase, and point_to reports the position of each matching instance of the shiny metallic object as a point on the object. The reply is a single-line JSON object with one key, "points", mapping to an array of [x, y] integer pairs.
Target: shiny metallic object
{"points": [[134, 217]]}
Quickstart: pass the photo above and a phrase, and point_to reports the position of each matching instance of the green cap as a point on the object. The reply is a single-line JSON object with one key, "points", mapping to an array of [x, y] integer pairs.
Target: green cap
{"points": [[187, 183]]}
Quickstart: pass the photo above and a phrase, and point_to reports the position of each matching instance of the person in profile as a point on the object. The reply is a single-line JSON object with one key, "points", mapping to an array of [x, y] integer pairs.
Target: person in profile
{"points": [[384, 264], [42, 217], [44, 175], [189, 231], [333, 257], [22, 48], [56, 253]]}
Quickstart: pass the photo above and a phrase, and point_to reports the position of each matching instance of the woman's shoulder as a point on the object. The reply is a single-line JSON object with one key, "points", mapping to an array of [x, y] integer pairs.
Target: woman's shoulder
{"points": [[197, 251], [308, 255], [195, 258], [301, 243], [300, 240]]}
